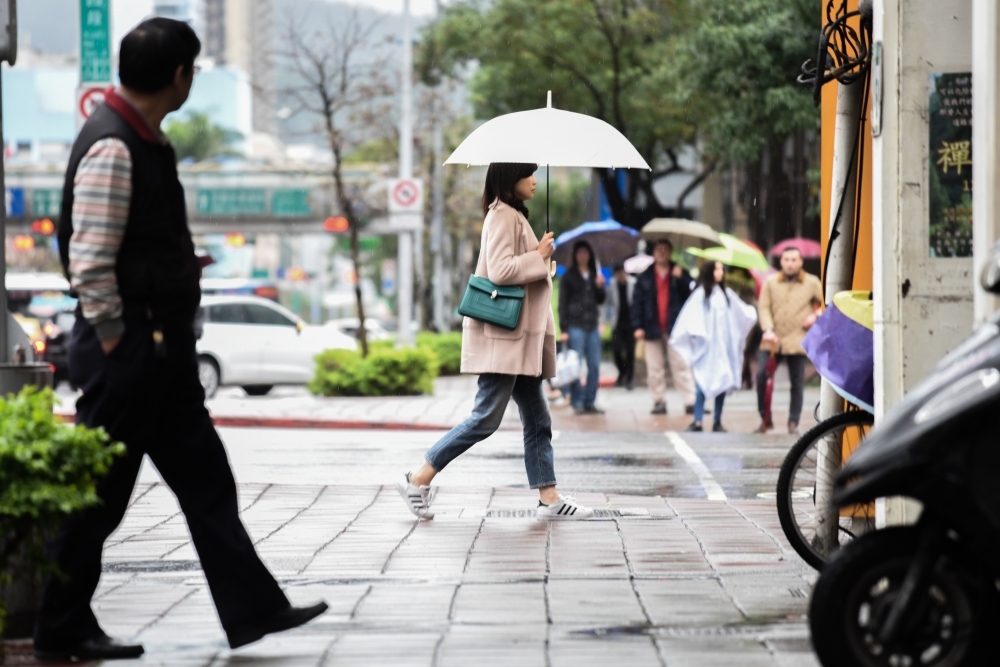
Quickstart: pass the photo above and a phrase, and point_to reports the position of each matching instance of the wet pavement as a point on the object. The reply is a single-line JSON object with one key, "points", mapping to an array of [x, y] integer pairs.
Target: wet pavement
{"points": [[685, 564]]}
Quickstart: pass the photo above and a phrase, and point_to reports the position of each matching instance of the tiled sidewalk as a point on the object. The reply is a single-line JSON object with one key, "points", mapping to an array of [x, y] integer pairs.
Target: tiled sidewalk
{"points": [[651, 582]]}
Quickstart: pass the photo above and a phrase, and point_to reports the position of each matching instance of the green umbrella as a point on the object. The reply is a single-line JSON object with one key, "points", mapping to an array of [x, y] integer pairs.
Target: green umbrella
{"points": [[733, 252]]}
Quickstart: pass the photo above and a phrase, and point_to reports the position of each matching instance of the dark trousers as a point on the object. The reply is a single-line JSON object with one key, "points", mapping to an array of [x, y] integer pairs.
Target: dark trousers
{"points": [[796, 373], [156, 406], [623, 345]]}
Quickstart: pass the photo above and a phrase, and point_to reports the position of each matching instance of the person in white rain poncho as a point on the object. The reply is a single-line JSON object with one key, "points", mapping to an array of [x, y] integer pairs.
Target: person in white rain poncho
{"points": [[710, 334]]}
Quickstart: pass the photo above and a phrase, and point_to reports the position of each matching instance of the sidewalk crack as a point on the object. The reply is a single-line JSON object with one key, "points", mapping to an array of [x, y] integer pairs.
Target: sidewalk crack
{"points": [[344, 530], [638, 598], [545, 588], [385, 566], [166, 611], [758, 527], [294, 517]]}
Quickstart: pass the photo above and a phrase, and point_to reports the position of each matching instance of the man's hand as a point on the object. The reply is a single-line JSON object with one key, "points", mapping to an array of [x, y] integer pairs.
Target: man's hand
{"points": [[640, 334], [564, 337], [109, 344], [809, 321], [546, 246], [599, 280], [677, 271], [600, 330], [769, 337]]}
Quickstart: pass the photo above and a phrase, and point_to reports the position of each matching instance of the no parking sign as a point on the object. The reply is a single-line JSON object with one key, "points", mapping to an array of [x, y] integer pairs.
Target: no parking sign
{"points": [[88, 98], [406, 195]]}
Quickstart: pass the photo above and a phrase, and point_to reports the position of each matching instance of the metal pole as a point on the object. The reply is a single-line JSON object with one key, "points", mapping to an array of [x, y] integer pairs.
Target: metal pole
{"points": [[839, 276], [404, 336], [439, 279], [4, 343], [985, 135]]}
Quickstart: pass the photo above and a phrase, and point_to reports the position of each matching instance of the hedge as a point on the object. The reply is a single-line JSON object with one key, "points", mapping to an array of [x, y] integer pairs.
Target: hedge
{"points": [[447, 347], [385, 372]]}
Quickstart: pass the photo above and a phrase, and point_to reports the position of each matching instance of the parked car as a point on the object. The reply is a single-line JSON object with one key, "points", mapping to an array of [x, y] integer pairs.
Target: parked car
{"points": [[255, 343], [349, 326]]}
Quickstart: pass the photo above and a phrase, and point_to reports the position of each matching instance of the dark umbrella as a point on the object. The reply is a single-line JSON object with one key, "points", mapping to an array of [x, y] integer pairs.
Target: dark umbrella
{"points": [[772, 366], [612, 242]]}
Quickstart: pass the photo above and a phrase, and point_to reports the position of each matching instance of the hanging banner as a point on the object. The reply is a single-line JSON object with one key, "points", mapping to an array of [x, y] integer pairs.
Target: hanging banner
{"points": [[950, 173]]}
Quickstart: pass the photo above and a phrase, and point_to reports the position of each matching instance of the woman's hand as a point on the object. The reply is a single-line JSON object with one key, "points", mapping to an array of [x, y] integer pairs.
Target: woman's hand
{"points": [[564, 337], [546, 246]]}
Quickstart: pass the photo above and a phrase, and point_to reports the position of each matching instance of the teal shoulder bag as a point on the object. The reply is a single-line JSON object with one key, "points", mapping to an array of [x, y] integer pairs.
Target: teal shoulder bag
{"points": [[499, 305]]}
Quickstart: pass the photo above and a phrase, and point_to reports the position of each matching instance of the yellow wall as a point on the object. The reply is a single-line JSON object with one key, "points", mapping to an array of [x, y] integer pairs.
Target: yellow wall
{"points": [[863, 265]]}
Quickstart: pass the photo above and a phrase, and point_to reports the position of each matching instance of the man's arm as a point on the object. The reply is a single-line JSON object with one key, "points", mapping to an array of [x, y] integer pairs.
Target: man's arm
{"points": [[764, 309], [102, 191]]}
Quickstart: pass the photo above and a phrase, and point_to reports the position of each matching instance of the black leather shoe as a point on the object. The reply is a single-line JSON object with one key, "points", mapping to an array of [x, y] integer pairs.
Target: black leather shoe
{"points": [[286, 619], [95, 648]]}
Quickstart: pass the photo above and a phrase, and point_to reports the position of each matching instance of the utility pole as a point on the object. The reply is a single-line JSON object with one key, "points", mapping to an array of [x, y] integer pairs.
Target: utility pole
{"points": [[8, 52], [404, 290], [440, 278]]}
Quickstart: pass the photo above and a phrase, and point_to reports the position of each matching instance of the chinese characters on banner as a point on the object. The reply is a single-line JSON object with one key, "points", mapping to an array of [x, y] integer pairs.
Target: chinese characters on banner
{"points": [[950, 181]]}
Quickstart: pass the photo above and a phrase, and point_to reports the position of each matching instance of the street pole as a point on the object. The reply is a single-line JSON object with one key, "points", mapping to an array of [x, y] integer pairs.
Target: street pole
{"points": [[839, 277], [985, 146], [440, 279], [404, 336], [8, 52]]}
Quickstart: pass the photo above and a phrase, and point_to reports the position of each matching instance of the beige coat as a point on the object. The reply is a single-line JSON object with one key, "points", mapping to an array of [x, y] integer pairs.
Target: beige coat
{"points": [[508, 257], [785, 304]]}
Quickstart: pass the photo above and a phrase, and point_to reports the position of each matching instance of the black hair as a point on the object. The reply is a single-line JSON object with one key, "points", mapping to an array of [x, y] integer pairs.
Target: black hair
{"points": [[792, 248], [706, 278], [667, 241], [151, 53], [619, 267], [501, 178], [591, 263]]}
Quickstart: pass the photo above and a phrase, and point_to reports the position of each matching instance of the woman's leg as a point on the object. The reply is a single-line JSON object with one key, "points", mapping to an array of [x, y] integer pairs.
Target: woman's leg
{"points": [[577, 343], [719, 401], [537, 423], [593, 337], [699, 405], [491, 402]]}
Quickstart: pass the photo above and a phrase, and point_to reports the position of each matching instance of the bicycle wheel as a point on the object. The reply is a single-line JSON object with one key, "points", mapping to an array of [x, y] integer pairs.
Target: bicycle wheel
{"points": [[797, 486]]}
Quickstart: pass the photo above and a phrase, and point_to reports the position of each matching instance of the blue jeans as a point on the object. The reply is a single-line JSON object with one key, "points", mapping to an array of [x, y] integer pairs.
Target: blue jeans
{"points": [[587, 343], [699, 406], [495, 391]]}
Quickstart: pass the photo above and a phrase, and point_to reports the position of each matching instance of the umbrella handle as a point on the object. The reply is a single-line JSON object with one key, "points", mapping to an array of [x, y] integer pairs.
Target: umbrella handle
{"points": [[546, 199]]}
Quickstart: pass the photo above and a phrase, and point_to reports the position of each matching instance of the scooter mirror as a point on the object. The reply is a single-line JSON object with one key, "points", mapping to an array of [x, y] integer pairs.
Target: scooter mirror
{"points": [[990, 277]]}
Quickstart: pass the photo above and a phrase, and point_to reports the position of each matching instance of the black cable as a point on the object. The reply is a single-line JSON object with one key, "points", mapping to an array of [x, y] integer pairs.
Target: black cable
{"points": [[859, 188]]}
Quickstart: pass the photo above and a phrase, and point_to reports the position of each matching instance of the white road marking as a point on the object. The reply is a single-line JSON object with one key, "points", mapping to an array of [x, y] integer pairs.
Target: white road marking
{"points": [[698, 467]]}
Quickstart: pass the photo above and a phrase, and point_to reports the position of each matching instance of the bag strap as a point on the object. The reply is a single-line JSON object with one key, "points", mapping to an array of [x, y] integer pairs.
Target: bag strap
{"points": [[519, 231]]}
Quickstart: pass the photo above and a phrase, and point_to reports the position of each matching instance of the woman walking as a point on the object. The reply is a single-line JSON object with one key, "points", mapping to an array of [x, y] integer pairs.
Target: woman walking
{"points": [[581, 292], [710, 334], [510, 364]]}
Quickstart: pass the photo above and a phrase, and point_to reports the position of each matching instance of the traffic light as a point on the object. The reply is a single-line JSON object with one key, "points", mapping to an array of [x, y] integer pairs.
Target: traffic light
{"points": [[23, 242], [236, 240], [295, 274], [43, 226], [338, 225]]}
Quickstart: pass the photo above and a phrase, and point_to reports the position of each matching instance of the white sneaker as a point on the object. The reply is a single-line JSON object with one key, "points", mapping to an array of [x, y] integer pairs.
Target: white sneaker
{"points": [[566, 509], [417, 498]]}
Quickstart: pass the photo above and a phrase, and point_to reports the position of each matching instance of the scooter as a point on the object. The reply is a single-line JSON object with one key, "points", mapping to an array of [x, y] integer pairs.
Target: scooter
{"points": [[924, 594]]}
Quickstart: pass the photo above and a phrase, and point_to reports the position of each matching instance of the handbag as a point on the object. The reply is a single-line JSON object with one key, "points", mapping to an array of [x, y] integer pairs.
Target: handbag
{"points": [[487, 302], [567, 368]]}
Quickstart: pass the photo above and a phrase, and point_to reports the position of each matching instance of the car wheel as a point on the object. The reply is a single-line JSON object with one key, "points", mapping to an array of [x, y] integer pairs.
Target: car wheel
{"points": [[257, 389], [208, 373]]}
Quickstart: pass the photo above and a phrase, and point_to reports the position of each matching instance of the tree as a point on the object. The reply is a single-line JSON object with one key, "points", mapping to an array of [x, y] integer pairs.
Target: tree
{"points": [[198, 138], [340, 77], [734, 71], [605, 58]]}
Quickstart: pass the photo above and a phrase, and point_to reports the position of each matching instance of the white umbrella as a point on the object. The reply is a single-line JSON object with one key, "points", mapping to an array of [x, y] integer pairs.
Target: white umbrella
{"points": [[550, 137]]}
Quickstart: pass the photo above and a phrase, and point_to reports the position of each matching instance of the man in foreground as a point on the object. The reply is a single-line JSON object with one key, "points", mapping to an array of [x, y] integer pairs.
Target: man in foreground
{"points": [[127, 251]]}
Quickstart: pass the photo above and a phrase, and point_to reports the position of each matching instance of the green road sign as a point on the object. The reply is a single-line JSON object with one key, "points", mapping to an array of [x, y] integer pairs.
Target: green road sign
{"points": [[95, 41], [290, 203], [45, 203], [232, 201]]}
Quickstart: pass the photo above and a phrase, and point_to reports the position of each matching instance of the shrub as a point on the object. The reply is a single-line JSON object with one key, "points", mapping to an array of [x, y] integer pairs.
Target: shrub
{"points": [[385, 372], [48, 470], [447, 347]]}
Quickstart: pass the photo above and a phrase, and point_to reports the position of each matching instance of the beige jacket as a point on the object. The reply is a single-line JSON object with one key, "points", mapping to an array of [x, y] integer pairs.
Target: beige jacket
{"points": [[785, 304], [508, 257]]}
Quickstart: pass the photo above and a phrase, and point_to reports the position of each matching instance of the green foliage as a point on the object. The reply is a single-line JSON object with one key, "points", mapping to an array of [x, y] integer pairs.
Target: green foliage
{"points": [[567, 204], [48, 470], [447, 347], [377, 150], [384, 372], [734, 72], [197, 137]]}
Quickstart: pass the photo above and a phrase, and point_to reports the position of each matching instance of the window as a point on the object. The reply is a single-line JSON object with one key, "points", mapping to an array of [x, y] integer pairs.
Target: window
{"points": [[264, 315], [228, 313]]}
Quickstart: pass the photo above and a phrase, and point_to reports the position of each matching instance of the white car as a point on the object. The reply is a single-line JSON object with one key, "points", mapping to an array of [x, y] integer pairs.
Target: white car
{"points": [[255, 343]]}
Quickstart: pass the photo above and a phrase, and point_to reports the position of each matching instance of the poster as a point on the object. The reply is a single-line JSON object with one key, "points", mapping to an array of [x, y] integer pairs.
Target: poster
{"points": [[950, 186]]}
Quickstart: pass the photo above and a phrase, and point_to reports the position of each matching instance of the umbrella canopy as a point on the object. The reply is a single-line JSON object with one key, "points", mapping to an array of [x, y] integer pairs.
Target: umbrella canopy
{"points": [[550, 137], [742, 256], [810, 249], [612, 242], [681, 233], [638, 264]]}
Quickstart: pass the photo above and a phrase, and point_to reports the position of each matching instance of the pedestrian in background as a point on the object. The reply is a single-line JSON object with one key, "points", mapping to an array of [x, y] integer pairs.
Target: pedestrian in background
{"points": [[622, 333], [789, 304], [659, 294], [581, 292], [710, 334], [510, 364], [127, 251]]}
